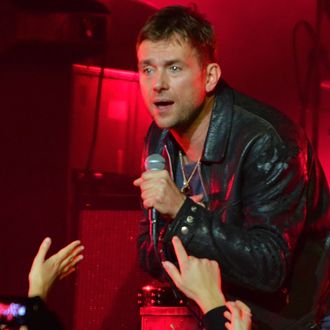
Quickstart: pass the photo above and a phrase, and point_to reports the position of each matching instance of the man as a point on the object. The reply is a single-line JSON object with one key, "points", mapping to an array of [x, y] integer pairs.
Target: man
{"points": [[242, 185]]}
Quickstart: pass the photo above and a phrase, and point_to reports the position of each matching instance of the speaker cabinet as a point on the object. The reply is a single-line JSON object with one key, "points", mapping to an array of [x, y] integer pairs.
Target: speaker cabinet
{"points": [[163, 318], [109, 277], [107, 129]]}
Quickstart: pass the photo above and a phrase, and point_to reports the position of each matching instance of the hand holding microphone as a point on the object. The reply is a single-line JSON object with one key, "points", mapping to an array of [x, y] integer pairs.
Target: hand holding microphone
{"points": [[158, 190], [154, 162]]}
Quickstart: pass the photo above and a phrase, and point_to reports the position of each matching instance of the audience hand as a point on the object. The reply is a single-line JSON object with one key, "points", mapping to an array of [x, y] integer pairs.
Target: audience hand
{"points": [[239, 316], [44, 272], [198, 279]]}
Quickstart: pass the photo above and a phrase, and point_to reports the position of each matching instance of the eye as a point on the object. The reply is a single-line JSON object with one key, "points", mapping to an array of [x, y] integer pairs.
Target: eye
{"points": [[175, 68], [147, 70]]}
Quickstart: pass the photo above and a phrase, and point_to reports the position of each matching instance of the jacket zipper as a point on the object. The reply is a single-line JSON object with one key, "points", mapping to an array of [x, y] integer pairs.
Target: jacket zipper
{"points": [[170, 162]]}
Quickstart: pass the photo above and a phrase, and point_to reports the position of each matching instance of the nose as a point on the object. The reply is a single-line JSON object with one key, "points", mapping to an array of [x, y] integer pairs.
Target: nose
{"points": [[160, 82]]}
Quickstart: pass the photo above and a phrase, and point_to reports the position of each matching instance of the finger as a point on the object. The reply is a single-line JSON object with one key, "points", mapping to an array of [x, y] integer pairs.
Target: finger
{"points": [[77, 260], [148, 203], [152, 175], [235, 311], [180, 252], [73, 264], [67, 273], [172, 272], [137, 182], [150, 194], [244, 308], [228, 326], [244, 312], [230, 306], [197, 198], [42, 252], [74, 257], [75, 252], [153, 198], [227, 315], [214, 265], [67, 250], [157, 184]]}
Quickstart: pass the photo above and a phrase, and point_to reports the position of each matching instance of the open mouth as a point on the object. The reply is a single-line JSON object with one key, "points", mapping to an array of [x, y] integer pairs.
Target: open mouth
{"points": [[163, 104]]}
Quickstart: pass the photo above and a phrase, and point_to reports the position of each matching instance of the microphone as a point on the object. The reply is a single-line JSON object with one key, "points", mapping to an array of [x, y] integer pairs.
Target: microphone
{"points": [[154, 162]]}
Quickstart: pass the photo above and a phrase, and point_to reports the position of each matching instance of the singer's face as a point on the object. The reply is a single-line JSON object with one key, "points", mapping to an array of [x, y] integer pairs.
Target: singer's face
{"points": [[172, 82]]}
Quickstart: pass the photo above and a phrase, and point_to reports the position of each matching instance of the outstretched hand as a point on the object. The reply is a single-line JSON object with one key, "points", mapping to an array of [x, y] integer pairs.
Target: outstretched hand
{"points": [[198, 279], [44, 272]]}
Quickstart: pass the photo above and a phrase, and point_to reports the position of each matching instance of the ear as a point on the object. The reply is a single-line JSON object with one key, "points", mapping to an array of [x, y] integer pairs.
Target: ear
{"points": [[213, 74]]}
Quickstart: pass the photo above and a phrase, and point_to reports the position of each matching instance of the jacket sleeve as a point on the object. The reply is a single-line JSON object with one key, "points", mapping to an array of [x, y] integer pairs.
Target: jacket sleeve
{"points": [[41, 318], [253, 236], [148, 259], [214, 319]]}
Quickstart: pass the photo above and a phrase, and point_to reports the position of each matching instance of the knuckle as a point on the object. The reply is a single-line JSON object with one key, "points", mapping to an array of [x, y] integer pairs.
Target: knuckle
{"points": [[161, 195], [162, 182], [146, 204]]}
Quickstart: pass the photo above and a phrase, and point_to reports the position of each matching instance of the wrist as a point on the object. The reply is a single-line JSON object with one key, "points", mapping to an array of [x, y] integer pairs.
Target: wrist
{"points": [[210, 301], [178, 206], [35, 291]]}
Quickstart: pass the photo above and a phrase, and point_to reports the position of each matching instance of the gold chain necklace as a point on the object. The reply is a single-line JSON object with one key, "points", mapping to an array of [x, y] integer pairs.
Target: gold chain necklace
{"points": [[186, 182]]}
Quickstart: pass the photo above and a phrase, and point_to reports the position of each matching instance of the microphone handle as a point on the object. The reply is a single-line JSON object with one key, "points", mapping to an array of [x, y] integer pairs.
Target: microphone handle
{"points": [[152, 215]]}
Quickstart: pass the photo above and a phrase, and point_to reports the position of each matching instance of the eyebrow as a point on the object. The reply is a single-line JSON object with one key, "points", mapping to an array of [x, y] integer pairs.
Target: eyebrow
{"points": [[167, 63]]}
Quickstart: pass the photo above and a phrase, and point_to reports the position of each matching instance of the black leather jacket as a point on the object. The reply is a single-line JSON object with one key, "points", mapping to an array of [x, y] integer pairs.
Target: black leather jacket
{"points": [[267, 196]]}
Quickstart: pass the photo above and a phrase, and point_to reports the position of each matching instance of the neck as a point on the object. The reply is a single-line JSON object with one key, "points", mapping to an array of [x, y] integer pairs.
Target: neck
{"points": [[192, 138]]}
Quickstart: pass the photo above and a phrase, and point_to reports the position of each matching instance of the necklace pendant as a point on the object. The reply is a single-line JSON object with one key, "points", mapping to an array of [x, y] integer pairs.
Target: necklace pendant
{"points": [[185, 187], [186, 182]]}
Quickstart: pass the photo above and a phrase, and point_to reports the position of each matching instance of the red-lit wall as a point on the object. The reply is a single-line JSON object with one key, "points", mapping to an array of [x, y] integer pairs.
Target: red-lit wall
{"points": [[122, 121], [274, 51], [256, 54]]}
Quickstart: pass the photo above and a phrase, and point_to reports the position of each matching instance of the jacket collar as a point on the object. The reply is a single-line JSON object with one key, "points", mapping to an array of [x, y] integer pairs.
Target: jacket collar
{"points": [[220, 125]]}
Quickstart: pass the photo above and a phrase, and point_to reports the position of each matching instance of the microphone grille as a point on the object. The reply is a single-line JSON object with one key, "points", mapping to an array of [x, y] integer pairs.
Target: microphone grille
{"points": [[154, 162]]}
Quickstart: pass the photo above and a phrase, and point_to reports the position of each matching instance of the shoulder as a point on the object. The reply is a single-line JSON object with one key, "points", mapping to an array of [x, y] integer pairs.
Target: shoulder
{"points": [[258, 117], [251, 118]]}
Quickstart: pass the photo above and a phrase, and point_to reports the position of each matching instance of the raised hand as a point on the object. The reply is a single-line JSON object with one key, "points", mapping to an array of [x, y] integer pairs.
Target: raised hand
{"points": [[198, 279], [44, 272]]}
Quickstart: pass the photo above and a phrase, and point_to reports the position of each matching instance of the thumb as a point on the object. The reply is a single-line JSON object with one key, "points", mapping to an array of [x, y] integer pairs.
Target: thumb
{"points": [[43, 249]]}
